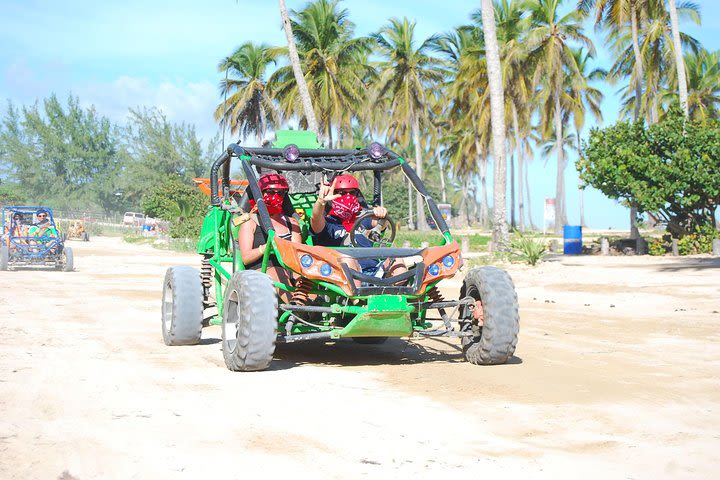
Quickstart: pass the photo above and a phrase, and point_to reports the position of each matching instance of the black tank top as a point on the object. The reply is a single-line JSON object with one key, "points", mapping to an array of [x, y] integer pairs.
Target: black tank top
{"points": [[259, 239]]}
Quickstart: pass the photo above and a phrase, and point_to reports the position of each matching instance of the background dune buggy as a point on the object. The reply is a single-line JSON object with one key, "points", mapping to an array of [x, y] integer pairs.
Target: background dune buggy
{"points": [[19, 247], [330, 298]]}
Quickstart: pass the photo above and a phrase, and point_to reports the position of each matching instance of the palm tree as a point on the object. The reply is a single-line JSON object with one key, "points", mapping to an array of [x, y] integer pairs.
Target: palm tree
{"points": [[407, 74], [512, 25], [335, 65], [553, 59], [497, 113], [679, 64], [467, 115], [249, 109], [703, 75], [297, 71], [657, 52], [584, 97]]}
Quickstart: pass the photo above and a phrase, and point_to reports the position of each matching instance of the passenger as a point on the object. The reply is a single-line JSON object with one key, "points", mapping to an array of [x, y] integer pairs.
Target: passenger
{"points": [[333, 229], [251, 238], [43, 227]]}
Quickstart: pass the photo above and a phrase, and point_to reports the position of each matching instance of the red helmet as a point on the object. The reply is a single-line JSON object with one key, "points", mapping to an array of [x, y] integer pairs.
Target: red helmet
{"points": [[346, 182], [273, 180]]}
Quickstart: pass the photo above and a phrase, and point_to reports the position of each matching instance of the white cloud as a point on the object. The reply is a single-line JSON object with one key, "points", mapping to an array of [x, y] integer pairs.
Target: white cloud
{"points": [[189, 102]]}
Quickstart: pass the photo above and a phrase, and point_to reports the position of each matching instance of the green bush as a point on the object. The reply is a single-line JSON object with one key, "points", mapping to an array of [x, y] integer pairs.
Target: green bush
{"points": [[658, 247], [181, 204], [528, 250]]}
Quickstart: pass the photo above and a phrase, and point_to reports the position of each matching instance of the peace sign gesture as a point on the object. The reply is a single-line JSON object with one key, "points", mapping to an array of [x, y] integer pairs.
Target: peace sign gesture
{"points": [[327, 193]]}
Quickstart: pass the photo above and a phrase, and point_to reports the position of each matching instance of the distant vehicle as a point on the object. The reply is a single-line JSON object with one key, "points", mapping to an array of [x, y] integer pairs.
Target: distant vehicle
{"points": [[133, 218], [26, 240]]}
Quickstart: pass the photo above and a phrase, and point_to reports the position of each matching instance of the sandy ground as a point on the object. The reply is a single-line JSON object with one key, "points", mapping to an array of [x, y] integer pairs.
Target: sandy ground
{"points": [[616, 375]]}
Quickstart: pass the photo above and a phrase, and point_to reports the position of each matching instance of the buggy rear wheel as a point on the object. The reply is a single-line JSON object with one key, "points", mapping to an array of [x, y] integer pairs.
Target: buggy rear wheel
{"points": [[494, 341], [67, 260], [182, 307], [4, 257], [249, 326]]}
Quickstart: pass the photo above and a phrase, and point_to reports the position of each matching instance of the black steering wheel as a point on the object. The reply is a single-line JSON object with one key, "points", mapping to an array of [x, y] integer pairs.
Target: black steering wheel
{"points": [[381, 235]]}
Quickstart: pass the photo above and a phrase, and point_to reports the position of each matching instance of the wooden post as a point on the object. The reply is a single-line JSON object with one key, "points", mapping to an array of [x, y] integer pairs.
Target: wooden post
{"points": [[675, 250], [604, 246], [640, 246], [465, 245], [716, 247]]}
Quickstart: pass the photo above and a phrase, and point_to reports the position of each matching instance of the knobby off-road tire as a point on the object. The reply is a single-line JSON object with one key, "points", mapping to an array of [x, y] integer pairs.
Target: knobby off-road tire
{"points": [[4, 257], [249, 327], [68, 260], [494, 342], [182, 308]]}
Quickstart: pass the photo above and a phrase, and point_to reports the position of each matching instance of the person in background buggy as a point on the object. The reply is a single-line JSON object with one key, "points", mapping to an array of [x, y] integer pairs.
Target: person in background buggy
{"points": [[43, 227], [333, 228]]}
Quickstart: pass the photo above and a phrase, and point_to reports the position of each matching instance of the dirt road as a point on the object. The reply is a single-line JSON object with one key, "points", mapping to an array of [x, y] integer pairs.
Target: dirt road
{"points": [[617, 375]]}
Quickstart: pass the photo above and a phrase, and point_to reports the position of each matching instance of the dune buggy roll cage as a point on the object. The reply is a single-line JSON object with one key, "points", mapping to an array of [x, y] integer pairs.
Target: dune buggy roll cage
{"points": [[332, 161]]}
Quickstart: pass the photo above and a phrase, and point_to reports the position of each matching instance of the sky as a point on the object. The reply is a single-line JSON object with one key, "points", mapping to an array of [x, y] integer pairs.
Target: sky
{"points": [[121, 55]]}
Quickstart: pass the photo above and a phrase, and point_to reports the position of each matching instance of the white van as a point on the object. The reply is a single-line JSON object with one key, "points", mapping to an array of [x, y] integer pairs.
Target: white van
{"points": [[133, 218]]}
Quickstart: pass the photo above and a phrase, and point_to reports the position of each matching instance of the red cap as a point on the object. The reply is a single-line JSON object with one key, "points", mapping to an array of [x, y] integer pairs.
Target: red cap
{"points": [[273, 180]]}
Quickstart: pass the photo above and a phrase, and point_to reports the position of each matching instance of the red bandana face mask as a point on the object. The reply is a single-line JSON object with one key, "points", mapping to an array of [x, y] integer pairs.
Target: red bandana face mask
{"points": [[274, 203], [346, 208]]}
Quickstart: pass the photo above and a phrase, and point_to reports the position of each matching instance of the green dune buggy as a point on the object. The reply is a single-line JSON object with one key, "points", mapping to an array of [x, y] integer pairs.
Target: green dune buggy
{"points": [[330, 298]]}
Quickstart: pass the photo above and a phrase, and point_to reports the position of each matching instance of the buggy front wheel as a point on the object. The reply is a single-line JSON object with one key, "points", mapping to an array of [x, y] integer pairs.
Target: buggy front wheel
{"points": [[182, 308], [249, 326], [4, 257], [494, 339], [67, 260]]}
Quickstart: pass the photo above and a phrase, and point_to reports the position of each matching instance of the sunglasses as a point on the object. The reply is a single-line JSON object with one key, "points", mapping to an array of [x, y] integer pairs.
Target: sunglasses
{"points": [[271, 191], [42, 215], [351, 191]]}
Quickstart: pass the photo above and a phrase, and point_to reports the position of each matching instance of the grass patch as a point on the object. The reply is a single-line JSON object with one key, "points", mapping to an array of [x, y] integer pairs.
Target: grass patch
{"points": [[478, 242]]}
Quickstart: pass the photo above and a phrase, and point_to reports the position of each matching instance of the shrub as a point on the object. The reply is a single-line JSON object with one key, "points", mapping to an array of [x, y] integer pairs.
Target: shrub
{"points": [[528, 250]]}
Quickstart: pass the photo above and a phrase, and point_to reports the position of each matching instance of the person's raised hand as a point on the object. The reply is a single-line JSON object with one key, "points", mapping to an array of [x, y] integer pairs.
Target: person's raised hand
{"points": [[327, 192]]}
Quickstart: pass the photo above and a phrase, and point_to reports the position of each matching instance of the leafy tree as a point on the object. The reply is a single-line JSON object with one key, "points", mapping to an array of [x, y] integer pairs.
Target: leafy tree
{"points": [[671, 167], [60, 154], [154, 149], [179, 203]]}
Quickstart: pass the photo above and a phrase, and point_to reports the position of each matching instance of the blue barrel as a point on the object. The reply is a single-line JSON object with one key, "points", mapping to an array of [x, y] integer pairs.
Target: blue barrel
{"points": [[572, 238]]}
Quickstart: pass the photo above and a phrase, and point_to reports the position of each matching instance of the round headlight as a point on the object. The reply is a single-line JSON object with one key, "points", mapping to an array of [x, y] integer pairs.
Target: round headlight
{"points": [[291, 153], [448, 261], [433, 269], [325, 270], [306, 260], [376, 151]]}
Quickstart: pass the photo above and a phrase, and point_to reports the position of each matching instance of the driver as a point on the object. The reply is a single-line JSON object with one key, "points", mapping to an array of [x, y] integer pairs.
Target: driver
{"points": [[333, 229]]}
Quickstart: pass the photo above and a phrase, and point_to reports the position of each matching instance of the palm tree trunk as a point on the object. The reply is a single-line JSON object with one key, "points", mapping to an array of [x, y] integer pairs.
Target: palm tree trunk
{"points": [[638, 60], [560, 216], [297, 70], [529, 200], [581, 190], [518, 148], [497, 116], [484, 220], [512, 190], [679, 62], [411, 224], [443, 193], [419, 199]]}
